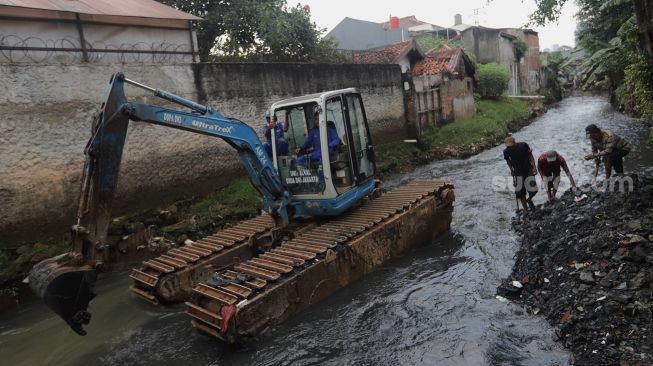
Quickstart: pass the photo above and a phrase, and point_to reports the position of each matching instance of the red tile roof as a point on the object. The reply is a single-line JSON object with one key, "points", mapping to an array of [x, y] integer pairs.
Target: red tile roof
{"points": [[443, 60], [387, 55]]}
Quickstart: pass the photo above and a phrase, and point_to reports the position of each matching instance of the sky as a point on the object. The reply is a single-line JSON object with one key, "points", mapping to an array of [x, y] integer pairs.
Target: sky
{"points": [[495, 14]]}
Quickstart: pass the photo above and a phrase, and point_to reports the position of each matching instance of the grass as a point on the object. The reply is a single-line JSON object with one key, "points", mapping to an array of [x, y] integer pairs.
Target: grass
{"points": [[492, 122], [237, 199], [15, 265]]}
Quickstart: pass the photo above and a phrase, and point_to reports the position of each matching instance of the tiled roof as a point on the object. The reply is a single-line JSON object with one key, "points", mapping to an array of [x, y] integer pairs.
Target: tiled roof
{"points": [[443, 60], [386, 55]]}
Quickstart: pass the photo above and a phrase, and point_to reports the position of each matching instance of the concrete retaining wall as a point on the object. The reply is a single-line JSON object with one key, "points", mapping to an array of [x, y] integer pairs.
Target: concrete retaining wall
{"points": [[46, 113]]}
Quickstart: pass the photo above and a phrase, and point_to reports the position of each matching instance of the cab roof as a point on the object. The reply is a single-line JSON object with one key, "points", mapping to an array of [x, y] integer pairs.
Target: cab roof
{"points": [[316, 97]]}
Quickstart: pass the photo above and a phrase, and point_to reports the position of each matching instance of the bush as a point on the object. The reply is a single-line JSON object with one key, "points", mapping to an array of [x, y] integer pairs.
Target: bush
{"points": [[493, 80]]}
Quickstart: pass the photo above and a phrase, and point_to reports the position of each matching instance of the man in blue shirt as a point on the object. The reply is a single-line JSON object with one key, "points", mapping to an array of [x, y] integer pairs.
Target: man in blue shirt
{"points": [[313, 141], [279, 129]]}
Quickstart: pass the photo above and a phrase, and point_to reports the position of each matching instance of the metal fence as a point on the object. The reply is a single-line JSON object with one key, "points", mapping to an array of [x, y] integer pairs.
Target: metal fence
{"points": [[16, 49]]}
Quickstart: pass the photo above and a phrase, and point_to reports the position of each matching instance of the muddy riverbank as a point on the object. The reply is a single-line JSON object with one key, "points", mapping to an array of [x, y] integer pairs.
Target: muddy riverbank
{"points": [[586, 264]]}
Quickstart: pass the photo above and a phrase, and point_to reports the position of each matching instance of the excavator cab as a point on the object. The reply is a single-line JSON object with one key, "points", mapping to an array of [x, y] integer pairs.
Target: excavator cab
{"points": [[326, 160]]}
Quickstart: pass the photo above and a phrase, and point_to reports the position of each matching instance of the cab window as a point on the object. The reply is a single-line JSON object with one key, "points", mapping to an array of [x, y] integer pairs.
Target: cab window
{"points": [[301, 170]]}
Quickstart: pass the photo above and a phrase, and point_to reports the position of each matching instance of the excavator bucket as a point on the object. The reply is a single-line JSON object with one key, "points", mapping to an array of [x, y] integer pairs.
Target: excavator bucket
{"points": [[65, 282]]}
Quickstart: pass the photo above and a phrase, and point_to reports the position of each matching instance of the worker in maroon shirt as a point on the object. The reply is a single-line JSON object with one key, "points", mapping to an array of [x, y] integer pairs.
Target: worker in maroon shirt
{"points": [[549, 164]]}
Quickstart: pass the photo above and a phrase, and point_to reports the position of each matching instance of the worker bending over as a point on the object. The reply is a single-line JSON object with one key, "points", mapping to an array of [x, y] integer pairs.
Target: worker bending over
{"points": [[519, 157], [609, 148], [549, 165]]}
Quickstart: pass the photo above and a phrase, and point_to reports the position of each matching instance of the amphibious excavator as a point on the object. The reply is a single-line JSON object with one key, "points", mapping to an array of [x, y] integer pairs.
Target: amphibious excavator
{"points": [[325, 219]]}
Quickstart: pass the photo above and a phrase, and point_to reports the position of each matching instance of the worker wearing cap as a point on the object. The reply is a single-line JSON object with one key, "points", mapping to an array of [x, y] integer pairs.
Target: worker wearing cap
{"points": [[519, 157], [313, 141], [279, 129], [549, 165], [608, 147]]}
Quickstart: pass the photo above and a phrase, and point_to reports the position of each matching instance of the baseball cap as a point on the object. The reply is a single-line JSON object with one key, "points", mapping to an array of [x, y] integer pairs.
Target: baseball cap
{"points": [[551, 155]]}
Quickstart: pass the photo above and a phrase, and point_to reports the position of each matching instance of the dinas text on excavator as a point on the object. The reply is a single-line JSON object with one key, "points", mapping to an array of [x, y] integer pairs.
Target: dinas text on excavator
{"points": [[296, 184]]}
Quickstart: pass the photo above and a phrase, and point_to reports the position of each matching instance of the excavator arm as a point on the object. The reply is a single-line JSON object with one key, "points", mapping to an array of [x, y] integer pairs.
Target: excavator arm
{"points": [[66, 282]]}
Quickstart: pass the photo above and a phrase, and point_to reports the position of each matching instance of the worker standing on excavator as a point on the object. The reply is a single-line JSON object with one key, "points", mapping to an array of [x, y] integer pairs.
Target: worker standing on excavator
{"points": [[279, 129], [519, 158]]}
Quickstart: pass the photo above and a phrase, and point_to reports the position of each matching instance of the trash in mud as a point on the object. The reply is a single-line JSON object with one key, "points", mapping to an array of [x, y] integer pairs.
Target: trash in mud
{"points": [[589, 265]]}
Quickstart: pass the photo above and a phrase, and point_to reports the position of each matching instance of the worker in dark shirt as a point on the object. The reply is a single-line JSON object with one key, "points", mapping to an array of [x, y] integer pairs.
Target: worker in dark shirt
{"points": [[549, 165], [519, 157]]}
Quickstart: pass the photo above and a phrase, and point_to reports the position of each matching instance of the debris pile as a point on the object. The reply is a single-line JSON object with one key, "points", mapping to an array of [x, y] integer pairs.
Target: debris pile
{"points": [[587, 266]]}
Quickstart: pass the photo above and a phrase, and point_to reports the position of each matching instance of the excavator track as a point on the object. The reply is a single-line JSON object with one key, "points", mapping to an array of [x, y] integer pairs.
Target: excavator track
{"points": [[214, 302], [170, 277]]}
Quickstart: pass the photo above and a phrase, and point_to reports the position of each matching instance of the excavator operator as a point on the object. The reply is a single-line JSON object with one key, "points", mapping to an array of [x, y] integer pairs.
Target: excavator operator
{"points": [[313, 141]]}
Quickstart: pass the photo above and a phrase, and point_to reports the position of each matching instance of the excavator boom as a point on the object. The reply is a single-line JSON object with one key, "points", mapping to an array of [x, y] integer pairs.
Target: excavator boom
{"points": [[66, 282]]}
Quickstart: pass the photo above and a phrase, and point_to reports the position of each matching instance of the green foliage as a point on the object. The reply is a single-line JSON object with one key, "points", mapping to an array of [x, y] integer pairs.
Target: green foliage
{"points": [[599, 21], [10, 290], [520, 48], [555, 60], [636, 93], [429, 42], [493, 120], [493, 80], [553, 91], [239, 198], [472, 58], [256, 30], [490, 122], [14, 266]]}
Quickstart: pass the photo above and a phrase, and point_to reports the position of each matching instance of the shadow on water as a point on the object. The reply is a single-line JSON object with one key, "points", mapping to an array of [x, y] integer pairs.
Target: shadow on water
{"points": [[435, 305]]}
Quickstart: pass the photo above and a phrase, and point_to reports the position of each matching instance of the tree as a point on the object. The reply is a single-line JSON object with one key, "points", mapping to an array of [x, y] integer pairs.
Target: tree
{"points": [[520, 49], [493, 80], [549, 11], [256, 30]]}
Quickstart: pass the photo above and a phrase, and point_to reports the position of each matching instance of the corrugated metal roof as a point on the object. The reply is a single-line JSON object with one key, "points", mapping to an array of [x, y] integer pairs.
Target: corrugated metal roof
{"points": [[125, 8]]}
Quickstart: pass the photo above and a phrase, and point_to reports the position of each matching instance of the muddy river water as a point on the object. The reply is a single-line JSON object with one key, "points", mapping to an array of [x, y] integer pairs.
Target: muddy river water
{"points": [[433, 306]]}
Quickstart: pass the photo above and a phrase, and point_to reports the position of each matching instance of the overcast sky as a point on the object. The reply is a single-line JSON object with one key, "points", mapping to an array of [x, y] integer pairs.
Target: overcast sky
{"points": [[495, 14]]}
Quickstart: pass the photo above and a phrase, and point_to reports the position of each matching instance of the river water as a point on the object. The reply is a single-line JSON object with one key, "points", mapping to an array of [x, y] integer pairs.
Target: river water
{"points": [[435, 305]]}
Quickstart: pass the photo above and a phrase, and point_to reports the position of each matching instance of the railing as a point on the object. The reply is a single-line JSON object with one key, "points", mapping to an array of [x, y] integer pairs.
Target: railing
{"points": [[16, 49]]}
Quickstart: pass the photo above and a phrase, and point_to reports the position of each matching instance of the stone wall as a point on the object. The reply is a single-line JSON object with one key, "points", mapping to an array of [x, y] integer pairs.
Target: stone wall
{"points": [[46, 113]]}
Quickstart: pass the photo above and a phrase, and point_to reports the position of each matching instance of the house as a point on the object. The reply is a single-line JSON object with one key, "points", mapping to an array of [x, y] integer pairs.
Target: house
{"points": [[357, 35], [449, 76], [494, 45], [529, 63], [406, 54], [108, 31]]}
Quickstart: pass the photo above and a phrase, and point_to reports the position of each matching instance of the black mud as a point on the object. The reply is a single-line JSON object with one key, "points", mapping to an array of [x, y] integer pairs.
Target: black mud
{"points": [[587, 267]]}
